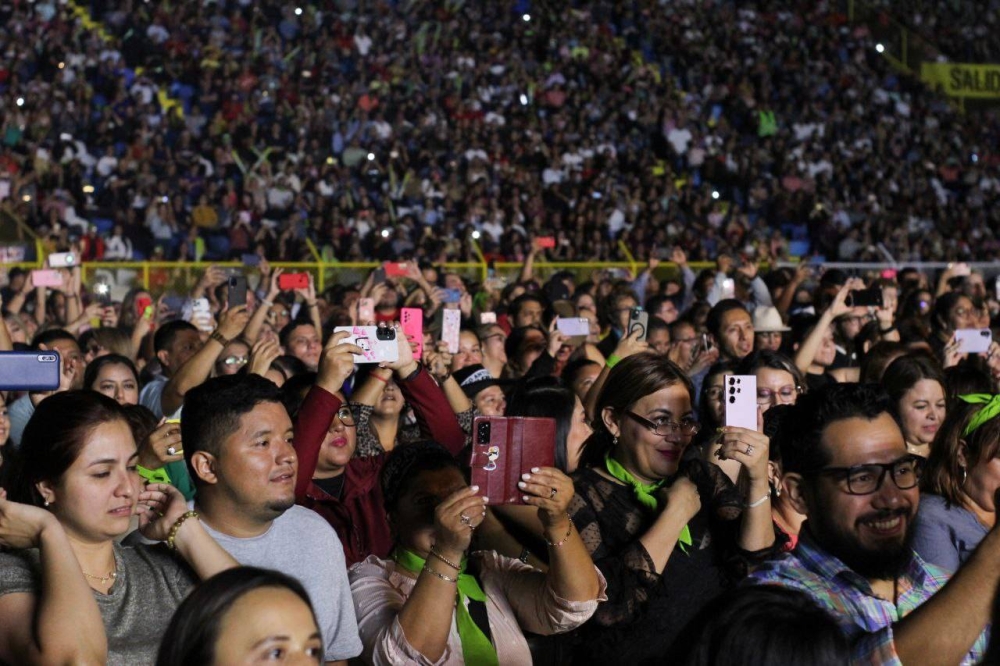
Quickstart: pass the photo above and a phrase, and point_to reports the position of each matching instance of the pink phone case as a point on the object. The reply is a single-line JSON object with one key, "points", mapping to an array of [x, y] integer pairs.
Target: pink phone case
{"points": [[740, 400], [46, 278], [413, 328], [450, 329]]}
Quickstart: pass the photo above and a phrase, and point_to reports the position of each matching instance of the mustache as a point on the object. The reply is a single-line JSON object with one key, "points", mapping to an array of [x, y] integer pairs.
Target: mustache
{"points": [[887, 514]]}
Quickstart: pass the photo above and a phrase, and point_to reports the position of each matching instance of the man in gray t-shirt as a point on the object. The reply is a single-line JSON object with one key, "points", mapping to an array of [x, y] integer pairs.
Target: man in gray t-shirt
{"points": [[238, 444]]}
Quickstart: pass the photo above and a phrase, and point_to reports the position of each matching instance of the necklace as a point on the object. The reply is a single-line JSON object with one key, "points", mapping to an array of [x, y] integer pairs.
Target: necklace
{"points": [[102, 579]]}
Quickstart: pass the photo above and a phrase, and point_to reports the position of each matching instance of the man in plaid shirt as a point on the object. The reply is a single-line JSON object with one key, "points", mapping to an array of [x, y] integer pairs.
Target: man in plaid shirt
{"points": [[854, 557]]}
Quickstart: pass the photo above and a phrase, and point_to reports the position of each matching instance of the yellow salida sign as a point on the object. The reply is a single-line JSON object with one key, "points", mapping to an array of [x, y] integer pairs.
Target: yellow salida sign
{"points": [[963, 80]]}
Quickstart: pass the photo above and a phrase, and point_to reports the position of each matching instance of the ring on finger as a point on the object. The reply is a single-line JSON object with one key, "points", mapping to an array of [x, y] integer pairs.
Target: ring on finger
{"points": [[553, 493], [465, 519], [749, 449], [171, 451]]}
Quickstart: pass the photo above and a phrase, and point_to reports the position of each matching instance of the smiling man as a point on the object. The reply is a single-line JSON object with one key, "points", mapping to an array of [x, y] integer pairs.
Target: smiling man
{"points": [[847, 469], [238, 445]]}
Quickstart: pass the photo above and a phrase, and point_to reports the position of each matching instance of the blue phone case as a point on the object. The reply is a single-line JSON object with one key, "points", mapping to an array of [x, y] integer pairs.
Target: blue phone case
{"points": [[29, 371]]}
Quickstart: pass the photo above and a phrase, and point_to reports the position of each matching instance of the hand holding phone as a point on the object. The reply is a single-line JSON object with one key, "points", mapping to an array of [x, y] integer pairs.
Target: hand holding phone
{"points": [[412, 322], [378, 343], [237, 294], [451, 329], [293, 281], [740, 400], [638, 320], [973, 340], [506, 447]]}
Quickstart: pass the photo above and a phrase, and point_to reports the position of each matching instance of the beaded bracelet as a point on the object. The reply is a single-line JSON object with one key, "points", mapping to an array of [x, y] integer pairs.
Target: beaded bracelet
{"points": [[440, 575], [176, 528], [451, 564], [565, 538], [757, 503]]}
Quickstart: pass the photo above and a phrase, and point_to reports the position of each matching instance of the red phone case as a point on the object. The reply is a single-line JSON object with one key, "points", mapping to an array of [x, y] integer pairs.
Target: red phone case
{"points": [[504, 448], [395, 269], [289, 281], [547, 242]]}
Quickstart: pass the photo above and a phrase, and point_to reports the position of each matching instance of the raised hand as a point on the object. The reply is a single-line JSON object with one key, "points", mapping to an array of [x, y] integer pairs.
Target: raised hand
{"points": [[455, 519]]}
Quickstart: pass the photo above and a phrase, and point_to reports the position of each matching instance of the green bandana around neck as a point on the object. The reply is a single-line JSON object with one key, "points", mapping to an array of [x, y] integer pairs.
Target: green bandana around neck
{"points": [[476, 647], [644, 494]]}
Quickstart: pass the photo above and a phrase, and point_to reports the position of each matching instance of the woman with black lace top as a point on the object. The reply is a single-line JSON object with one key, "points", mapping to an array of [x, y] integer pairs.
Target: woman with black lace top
{"points": [[657, 528]]}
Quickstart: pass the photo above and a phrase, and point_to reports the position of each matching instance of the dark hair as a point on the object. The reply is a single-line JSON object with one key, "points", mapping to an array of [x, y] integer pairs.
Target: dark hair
{"points": [[50, 335], [142, 421], [294, 390], [54, 437], [515, 306], [761, 625], [971, 375], [606, 309], [286, 331], [656, 324], [94, 368], [704, 416], [115, 340], [776, 429], [574, 367], [713, 324], [163, 339], [407, 461], [547, 397], [628, 382], [289, 366], [194, 630], [212, 411], [941, 311], [878, 358], [515, 341], [944, 474], [765, 358], [801, 450], [904, 373]]}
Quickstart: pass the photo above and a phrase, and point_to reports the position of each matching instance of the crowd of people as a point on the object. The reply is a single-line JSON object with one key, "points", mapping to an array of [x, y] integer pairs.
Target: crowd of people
{"points": [[211, 130], [219, 478], [960, 30]]}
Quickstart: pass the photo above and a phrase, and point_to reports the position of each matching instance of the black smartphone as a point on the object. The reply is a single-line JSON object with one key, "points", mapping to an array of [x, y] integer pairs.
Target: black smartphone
{"points": [[378, 277], [29, 370], [865, 297], [237, 291]]}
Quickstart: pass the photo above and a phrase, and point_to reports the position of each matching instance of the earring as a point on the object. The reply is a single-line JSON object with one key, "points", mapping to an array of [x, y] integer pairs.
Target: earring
{"points": [[614, 442], [965, 475], [47, 503]]}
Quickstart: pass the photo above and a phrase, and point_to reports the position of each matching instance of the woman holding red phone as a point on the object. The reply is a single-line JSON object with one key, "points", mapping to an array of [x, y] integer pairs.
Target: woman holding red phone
{"points": [[431, 603]]}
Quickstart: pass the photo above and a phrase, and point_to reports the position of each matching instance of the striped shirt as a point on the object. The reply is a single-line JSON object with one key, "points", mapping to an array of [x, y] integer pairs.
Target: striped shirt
{"points": [[866, 619]]}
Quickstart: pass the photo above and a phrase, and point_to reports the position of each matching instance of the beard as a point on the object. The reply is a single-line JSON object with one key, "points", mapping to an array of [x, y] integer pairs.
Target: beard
{"points": [[886, 561]]}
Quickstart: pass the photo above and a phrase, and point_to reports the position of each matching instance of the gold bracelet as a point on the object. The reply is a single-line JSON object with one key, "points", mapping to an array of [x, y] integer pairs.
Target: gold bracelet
{"points": [[439, 575], [451, 564], [565, 538], [176, 528]]}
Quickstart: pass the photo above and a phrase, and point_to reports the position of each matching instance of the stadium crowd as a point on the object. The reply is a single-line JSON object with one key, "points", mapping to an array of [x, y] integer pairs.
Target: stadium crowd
{"points": [[327, 488], [220, 128], [242, 473]]}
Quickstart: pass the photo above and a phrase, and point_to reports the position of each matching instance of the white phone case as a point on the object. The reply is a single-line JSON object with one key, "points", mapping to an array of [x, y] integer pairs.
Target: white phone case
{"points": [[740, 400], [973, 340], [374, 350], [451, 326], [573, 326]]}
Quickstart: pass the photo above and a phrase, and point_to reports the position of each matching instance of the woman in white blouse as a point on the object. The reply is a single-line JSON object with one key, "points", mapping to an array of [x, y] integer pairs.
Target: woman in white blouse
{"points": [[429, 604]]}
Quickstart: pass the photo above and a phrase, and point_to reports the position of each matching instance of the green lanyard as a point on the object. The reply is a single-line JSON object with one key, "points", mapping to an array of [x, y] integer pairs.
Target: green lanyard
{"points": [[644, 493], [476, 647]]}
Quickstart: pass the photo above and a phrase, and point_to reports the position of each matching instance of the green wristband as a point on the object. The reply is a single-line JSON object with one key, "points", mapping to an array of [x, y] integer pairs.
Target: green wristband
{"points": [[613, 361]]}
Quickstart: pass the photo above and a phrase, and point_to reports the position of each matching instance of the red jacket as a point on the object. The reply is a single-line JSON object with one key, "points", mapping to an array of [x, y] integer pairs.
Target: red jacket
{"points": [[358, 515]]}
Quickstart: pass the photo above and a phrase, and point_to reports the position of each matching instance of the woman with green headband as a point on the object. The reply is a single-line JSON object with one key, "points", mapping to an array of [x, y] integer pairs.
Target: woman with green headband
{"points": [[643, 508], [429, 603], [959, 484]]}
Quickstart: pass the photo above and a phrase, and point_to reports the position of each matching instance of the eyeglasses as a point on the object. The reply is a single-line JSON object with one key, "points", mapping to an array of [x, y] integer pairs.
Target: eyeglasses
{"points": [[867, 479], [783, 396], [349, 415], [494, 335], [664, 427], [235, 360]]}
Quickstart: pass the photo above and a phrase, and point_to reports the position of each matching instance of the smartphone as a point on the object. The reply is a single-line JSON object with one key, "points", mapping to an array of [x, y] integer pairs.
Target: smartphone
{"points": [[412, 320], [973, 340], [504, 448], [741, 400], [728, 289], [378, 276], [450, 329], [291, 281], [487, 317], [201, 315], [638, 320], [452, 295], [62, 260], [102, 291], [395, 269], [546, 242], [378, 343], [141, 304], [366, 311], [251, 260], [29, 370], [237, 294], [573, 326], [865, 297], [46, 277]]}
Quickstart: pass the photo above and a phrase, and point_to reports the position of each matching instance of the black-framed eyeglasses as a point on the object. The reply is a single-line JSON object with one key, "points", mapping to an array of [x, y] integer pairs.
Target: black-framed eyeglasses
{"points": [[349, 414], [867, 479], [664, 427]]}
